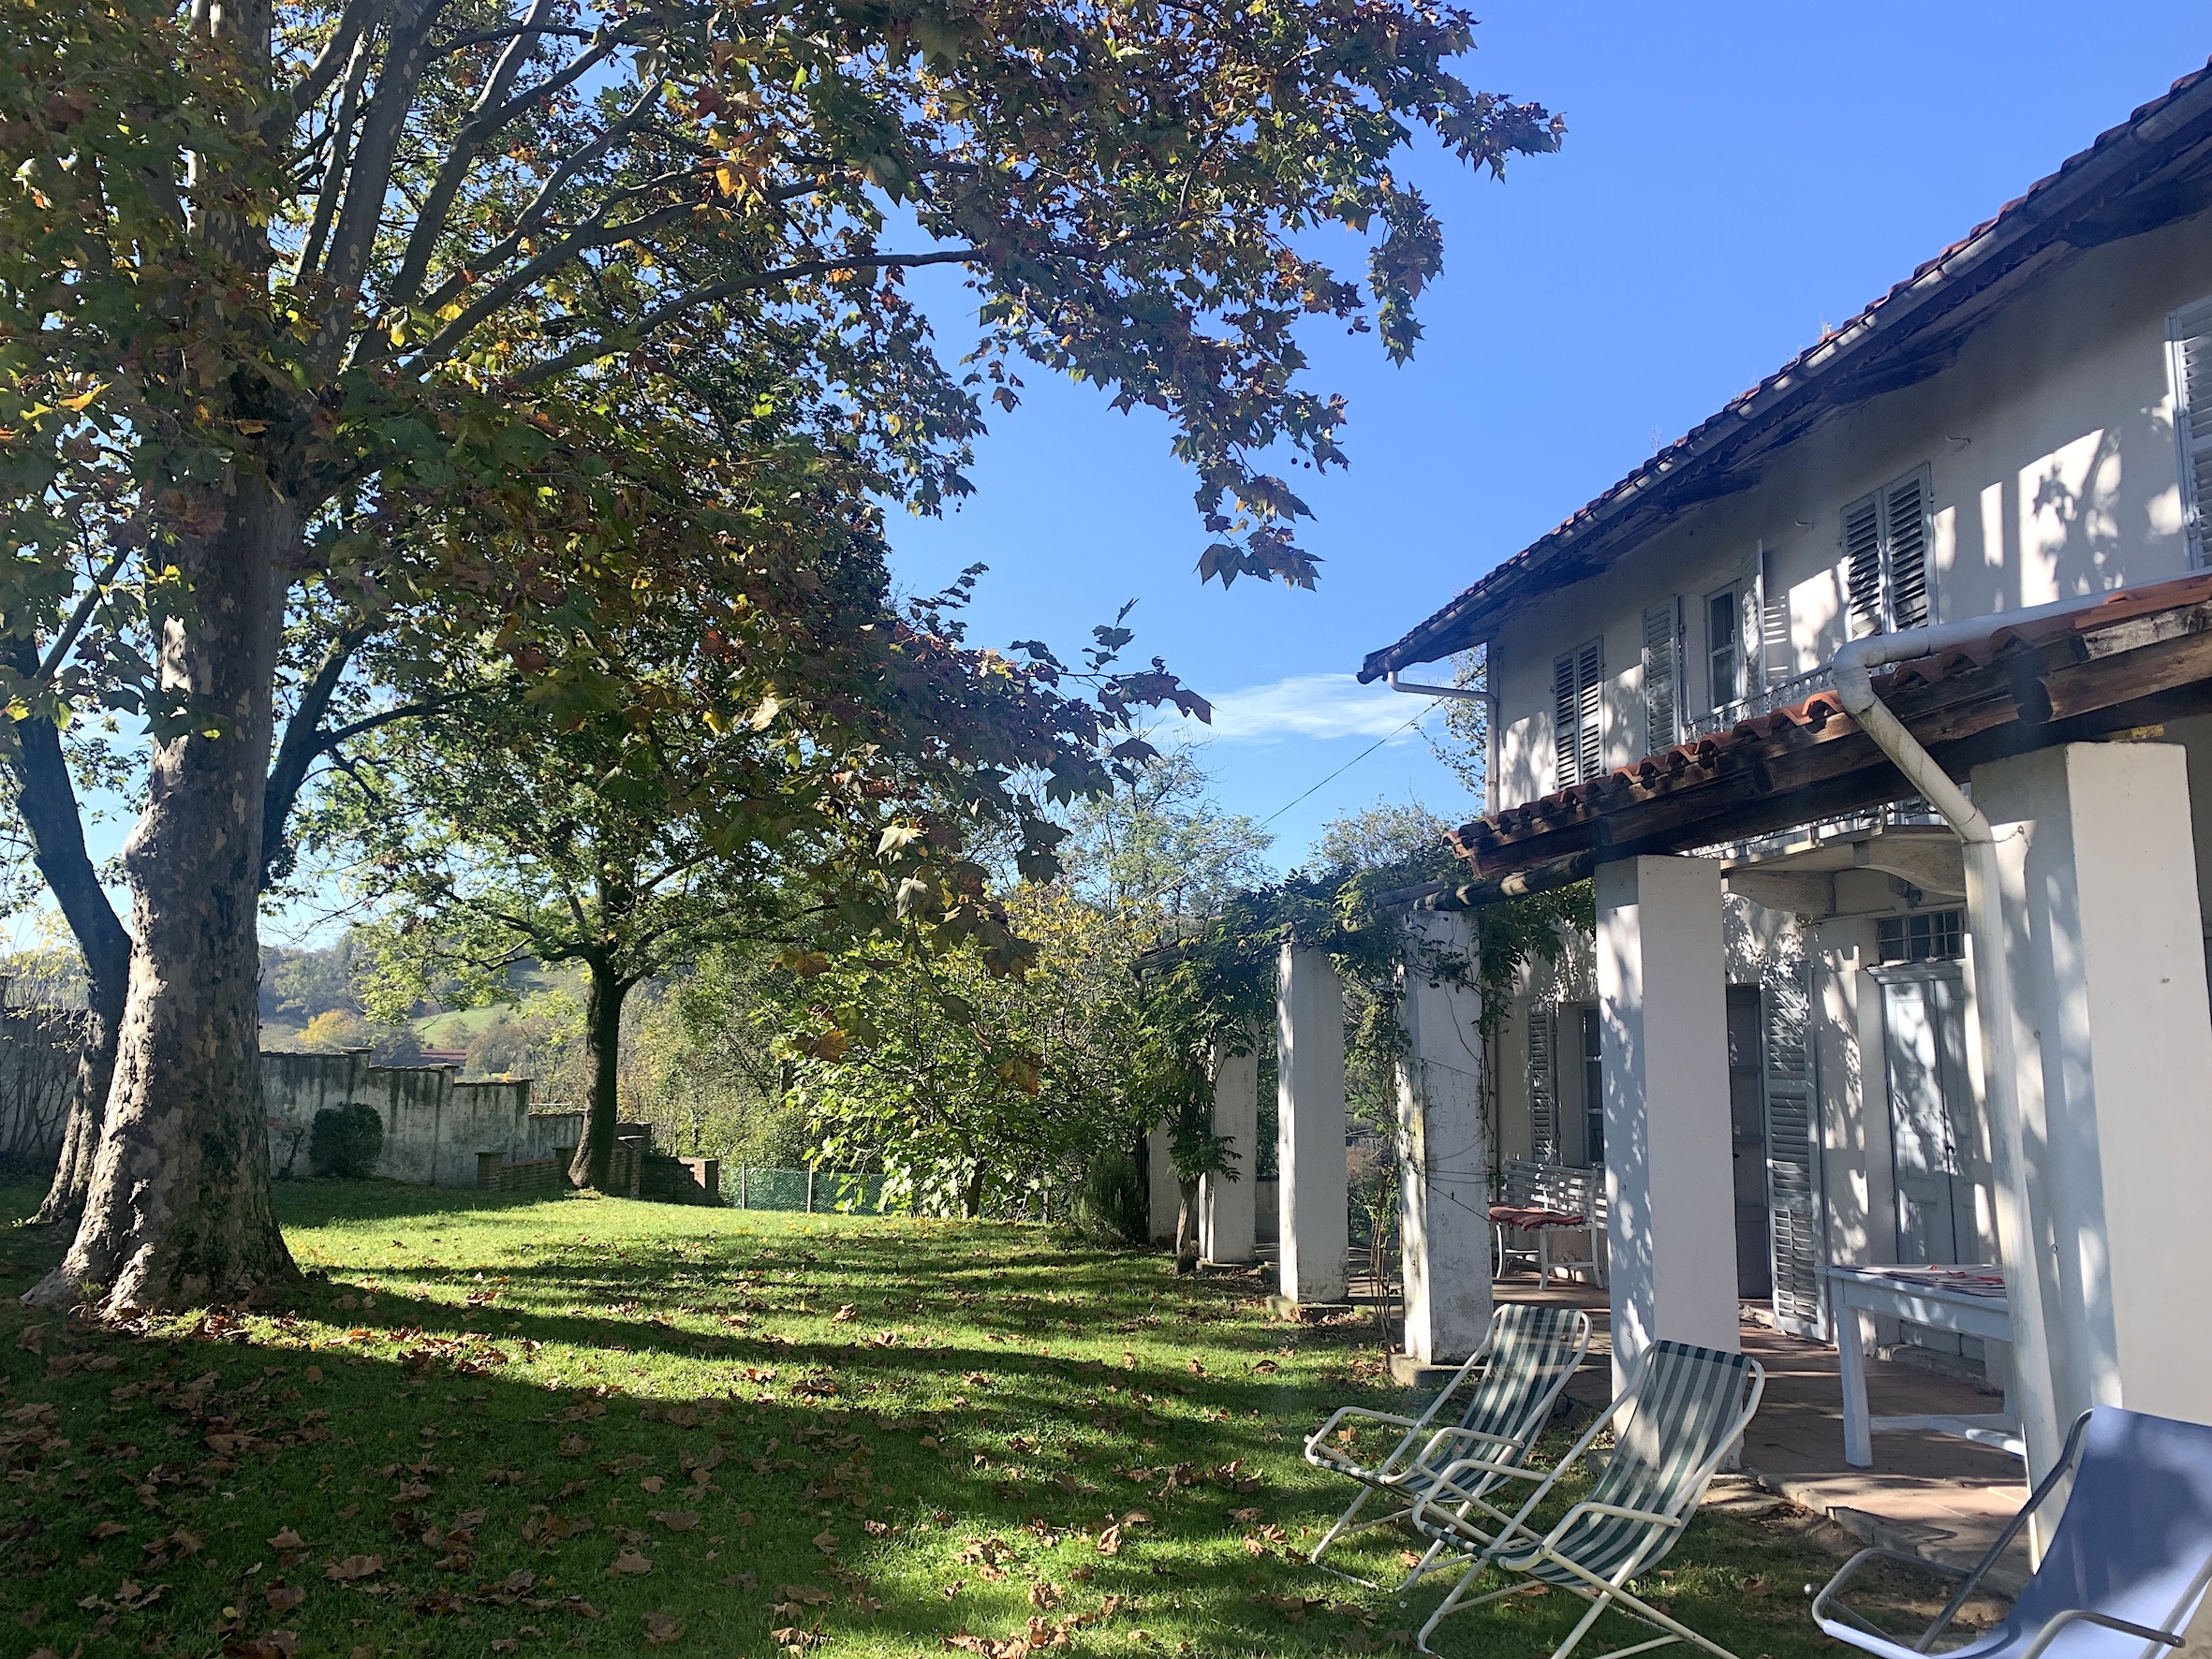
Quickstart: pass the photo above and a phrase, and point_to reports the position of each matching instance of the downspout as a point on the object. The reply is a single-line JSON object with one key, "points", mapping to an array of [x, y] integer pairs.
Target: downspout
{"points": [[1467, 694], [1852, 672]]}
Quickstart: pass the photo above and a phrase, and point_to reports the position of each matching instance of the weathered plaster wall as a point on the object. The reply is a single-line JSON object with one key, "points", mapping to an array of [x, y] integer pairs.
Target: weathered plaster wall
{"points": [[434, 1126], [2053, 470], [37, 1064]]}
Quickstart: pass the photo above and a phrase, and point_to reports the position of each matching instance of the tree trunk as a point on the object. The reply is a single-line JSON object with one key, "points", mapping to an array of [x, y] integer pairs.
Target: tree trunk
{"points": [[179, 1211], [1186, 1227], [46, 800], [593, 1164], [971, 1196]]}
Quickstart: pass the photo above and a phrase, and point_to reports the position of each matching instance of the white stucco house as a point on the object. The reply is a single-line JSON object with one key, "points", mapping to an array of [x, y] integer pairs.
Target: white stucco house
{"points": [[1836, 1010]]}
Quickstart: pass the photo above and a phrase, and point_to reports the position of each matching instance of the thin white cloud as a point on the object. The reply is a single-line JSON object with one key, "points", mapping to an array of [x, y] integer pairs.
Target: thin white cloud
{"points": [[1308, 706]]}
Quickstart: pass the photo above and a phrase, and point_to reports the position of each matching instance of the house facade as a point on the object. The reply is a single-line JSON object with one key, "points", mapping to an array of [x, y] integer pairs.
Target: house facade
{"points": [[2024, 422]]}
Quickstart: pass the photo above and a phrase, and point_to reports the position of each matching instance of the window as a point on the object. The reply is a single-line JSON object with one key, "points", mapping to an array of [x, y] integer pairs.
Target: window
{"points": [[1578, 707], [1662, 677], [1925, 937], [2188, 333], [1885, 558], [1724, 646]]}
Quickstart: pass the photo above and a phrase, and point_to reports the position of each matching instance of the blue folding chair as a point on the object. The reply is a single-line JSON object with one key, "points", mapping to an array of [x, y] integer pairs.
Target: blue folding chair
{"points": [[2124, 1572]]}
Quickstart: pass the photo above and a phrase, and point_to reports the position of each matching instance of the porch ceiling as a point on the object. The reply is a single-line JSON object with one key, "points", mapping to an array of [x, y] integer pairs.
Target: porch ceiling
{"points": [[2142, 657]]}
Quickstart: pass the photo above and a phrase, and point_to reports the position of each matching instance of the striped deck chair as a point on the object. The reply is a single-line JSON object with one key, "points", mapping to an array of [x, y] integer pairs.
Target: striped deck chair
{"points": [[1674, 1423], [1503, 1396]]}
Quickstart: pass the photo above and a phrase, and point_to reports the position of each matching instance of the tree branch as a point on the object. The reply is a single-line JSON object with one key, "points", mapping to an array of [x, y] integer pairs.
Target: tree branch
{"points": [[626, 338], [369, 178], [297, 750], [429, 219], [359, 19], [46, 800]]}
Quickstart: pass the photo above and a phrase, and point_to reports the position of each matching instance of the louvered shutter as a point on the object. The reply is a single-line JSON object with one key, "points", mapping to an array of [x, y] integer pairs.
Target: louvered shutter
{"points": [[1543, 1079], [2190, 332], [1862, 565], [1793, 1141], [1662, 677], [1577, 712], [1905, 552]]}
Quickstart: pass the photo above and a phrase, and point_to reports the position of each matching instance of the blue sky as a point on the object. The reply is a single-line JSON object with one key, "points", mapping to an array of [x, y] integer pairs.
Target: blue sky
{"points": [[1735, 179]]}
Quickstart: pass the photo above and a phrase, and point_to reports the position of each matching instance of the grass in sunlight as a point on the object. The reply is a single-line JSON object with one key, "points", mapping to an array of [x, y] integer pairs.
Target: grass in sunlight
{"points": [[493, 1425]]}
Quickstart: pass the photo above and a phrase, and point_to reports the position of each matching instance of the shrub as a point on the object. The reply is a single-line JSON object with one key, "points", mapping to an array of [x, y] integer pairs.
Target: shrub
{"points": [[346, 1140], [1115, 1204]]}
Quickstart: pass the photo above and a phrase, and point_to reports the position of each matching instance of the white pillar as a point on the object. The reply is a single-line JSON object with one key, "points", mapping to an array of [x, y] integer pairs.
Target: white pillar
{"points": [[1309, 1126], [1226, 1208], [1163, 1198], [2112, 1040], [1443, 1150], [1669, 1185]]}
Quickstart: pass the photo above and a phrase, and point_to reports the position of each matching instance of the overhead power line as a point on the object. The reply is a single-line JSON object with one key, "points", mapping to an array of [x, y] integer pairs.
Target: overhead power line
{"points": [[1434, 704]]}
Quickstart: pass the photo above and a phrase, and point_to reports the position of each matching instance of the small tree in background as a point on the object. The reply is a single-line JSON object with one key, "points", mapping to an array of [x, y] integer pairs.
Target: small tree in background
{"points": [[346, 1141]]}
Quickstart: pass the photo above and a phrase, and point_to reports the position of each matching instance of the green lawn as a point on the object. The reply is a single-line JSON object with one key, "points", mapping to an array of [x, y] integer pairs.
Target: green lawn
{"points": [[503, 1426]]}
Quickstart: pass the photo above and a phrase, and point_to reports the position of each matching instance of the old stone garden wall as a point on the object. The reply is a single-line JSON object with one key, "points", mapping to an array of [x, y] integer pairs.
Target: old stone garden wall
{"points": [[435, 1127], [37, 1064]]}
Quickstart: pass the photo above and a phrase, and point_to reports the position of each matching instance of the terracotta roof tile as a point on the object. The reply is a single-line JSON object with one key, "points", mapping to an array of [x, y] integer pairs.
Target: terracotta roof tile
{"points": [[1814, 712]]}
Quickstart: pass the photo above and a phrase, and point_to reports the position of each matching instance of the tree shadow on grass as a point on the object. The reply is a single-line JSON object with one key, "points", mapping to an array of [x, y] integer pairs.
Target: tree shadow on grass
{"points": [[842, 1497]]}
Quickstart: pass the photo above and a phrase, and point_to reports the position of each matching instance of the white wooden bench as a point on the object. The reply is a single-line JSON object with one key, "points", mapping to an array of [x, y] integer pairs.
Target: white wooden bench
{"points": [[1566, 1191]]}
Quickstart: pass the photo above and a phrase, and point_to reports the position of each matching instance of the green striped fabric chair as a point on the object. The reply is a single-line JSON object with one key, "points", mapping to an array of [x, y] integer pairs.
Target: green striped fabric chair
{"points": [[1674, 1425], [1503, 1396]]}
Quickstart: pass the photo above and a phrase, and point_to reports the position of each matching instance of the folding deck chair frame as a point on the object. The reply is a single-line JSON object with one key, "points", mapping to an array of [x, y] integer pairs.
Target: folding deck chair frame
{"points": [[1541, 1367], [2008, 1641], [1643, 1537]]}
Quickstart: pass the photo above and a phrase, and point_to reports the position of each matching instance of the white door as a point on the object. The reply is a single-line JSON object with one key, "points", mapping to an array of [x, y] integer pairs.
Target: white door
{"points": [[1935, 1142]]}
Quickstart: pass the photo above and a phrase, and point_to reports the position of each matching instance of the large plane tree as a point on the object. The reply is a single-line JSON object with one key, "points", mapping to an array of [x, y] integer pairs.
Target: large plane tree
{"points": [[286, 288]]}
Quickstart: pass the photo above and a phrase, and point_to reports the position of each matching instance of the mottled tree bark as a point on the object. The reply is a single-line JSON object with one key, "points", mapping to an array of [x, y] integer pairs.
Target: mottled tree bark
{"points": [[1185, 1224], [592, 1166], [179, 1211]]}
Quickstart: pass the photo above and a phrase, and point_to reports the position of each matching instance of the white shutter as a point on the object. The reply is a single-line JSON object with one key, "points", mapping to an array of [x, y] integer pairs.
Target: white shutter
{"points": [[1862, 565], [1888, 583], [1793, 1141], [1577, 713], [1543, 1077], [2190, 331], [1905, 552], [1662, 677]]}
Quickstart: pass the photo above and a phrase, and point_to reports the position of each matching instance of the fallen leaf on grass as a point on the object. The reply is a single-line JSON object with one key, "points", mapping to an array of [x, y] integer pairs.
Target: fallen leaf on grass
{"points": [[628, 1561], [826, 1541], [283, 1598], [274, 1644], [811, 1596], [660, 1630], [794, 1641], [108, 1529], [844, 1315], [354, 1568], [684, 1521], [653, 1483], [287, 1539], [573, 1445], [32, 1340]]}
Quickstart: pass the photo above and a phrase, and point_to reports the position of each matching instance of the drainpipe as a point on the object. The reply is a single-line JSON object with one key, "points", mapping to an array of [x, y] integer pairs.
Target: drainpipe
{"points": [[1852, 672], [1467, 694]]}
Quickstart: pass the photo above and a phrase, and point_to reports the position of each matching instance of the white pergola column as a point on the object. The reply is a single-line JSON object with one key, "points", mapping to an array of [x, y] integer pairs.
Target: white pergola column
{"points": [[1309, 1126], [1669, 1183], [1163, 1196], [1227, 1208], [2111, 1040], [1443, 1151]]}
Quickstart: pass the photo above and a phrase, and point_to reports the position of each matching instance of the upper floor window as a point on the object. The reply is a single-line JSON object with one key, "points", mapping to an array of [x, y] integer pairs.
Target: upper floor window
{"points": [[1578, 708], [1726, 662], [2188, 333], [1885, 558]]}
